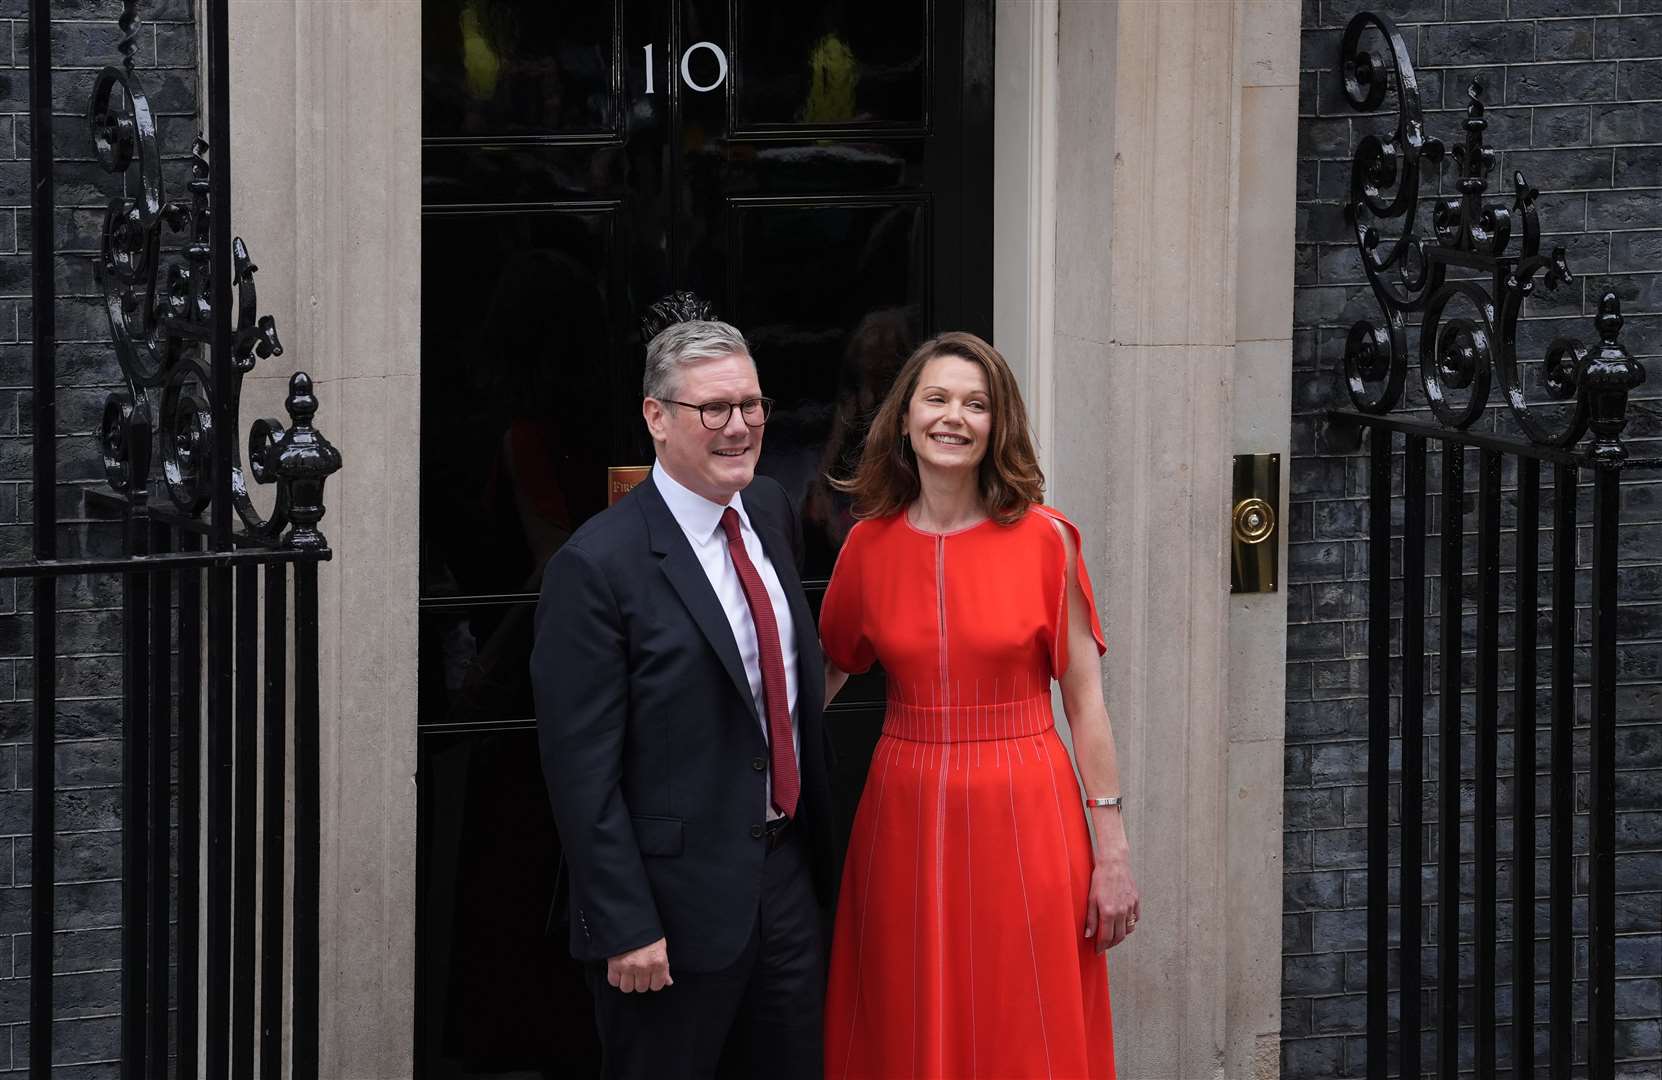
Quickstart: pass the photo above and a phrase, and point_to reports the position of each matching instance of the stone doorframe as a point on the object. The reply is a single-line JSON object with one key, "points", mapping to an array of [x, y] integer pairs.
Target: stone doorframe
{"points": [[326, 137]]}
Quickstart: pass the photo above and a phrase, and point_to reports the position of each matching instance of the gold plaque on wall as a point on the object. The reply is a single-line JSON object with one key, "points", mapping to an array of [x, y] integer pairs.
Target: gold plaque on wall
{"points": [[620, 478], [1255, 546]]}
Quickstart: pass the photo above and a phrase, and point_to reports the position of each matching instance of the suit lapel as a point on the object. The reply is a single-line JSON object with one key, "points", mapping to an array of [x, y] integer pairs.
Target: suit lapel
{"points": [[687, 577]]}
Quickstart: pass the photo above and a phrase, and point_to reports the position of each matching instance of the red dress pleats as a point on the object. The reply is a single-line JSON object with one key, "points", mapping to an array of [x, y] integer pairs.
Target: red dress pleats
{"points": [[959, 948]]}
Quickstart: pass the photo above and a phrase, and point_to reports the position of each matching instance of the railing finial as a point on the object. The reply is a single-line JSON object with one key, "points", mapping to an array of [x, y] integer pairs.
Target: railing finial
{"points": [[1609, 375], [1609, 319], [300, 460]]}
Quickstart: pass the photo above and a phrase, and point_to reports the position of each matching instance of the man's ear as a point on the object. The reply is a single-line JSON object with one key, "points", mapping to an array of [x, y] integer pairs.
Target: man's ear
{"points": [[656, 416]]}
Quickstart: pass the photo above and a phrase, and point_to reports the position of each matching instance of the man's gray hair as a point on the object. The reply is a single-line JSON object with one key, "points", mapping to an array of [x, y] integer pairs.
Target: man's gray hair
{"points": [[684, 343]]}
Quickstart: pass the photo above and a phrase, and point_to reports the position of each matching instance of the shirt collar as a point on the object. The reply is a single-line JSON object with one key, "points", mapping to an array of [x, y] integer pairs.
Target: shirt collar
{"points": [[698, 517]]}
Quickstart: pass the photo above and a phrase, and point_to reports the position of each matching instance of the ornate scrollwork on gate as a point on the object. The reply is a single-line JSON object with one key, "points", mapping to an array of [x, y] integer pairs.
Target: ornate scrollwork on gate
{"points": [[1469, 328], [160, 308]]}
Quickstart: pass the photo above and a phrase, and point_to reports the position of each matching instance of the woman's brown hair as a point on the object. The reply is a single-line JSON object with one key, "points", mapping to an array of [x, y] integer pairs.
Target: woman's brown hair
{"points": [[886, 480]]}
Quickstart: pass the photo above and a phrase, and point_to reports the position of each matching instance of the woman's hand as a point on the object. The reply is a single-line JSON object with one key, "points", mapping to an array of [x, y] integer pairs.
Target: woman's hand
{"points": [[1111, 909]]}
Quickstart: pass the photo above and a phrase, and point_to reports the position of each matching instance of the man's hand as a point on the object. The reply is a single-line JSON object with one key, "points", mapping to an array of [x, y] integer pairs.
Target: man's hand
{"points": [[642, 969]]}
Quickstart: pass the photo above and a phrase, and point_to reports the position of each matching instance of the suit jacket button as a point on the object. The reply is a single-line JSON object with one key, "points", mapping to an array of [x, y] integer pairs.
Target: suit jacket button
{"points": [[759, 764], [757, 831]]}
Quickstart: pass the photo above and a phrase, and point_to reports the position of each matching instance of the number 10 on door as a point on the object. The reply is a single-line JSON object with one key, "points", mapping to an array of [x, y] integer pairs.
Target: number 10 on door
{"points": [[686, 67]]}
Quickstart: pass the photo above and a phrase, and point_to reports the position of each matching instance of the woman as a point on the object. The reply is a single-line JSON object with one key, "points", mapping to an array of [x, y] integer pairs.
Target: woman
{"points": [[974, 907]]}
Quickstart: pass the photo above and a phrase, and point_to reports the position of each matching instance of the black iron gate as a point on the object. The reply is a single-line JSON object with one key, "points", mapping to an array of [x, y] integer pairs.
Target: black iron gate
{"points": [[220, 703], [1483, 259]]}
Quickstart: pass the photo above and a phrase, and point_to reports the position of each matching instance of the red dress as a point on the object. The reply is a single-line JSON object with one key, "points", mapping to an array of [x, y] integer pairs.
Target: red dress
{"points": [[960, 946]]}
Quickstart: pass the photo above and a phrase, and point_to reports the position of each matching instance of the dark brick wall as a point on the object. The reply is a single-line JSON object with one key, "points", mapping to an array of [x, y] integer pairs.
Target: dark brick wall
{"points": [[87, 947], [1576, 89]]}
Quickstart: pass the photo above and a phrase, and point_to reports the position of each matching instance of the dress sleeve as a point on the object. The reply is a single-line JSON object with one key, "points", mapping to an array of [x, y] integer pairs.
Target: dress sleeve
{"points": [[1059, 634], [842, 629]]}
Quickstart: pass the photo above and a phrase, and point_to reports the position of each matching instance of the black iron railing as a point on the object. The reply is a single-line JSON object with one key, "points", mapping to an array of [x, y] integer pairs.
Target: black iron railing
{"points": [[1483, 258], [186, 332]]}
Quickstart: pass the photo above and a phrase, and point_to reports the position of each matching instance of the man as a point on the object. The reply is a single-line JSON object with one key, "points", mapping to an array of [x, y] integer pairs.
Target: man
{"points": [[679, 690]]}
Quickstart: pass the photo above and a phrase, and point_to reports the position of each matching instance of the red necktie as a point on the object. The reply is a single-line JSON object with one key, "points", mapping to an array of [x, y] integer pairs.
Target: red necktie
{"points": [[772, 659]]}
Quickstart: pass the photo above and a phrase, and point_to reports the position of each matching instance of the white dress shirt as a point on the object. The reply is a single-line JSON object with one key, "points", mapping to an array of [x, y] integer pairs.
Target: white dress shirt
{"points": [[700, 520]]}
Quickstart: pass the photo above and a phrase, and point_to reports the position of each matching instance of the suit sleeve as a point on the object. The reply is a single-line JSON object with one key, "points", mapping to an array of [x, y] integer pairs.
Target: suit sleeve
{"points": [[579, 677]]}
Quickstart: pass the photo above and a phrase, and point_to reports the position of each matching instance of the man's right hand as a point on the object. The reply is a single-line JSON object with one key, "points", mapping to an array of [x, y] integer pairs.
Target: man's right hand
{"points": [[642, 969]]}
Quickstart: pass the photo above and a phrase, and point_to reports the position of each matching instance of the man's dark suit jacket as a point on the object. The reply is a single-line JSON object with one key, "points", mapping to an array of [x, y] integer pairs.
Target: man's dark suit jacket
{"points": [[655, 760]]}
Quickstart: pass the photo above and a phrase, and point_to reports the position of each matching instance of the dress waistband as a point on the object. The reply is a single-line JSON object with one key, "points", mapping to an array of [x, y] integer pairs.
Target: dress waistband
{"points": [[968, 722]]}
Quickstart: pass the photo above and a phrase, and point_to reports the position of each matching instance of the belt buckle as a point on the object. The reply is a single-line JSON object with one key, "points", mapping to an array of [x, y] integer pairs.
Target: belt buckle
{"points": [[777, 829]]}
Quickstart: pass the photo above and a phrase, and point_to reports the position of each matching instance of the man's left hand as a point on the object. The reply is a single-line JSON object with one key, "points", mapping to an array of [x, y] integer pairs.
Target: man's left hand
{"points": [[642, 969]]}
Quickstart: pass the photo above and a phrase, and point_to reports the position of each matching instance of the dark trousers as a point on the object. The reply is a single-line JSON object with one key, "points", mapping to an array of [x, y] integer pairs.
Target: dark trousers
{"points": [[759, 1018]]}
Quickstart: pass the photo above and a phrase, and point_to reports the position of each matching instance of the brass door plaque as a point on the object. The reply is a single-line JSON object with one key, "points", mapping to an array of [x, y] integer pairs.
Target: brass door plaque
{"points": [[1254, 524]]}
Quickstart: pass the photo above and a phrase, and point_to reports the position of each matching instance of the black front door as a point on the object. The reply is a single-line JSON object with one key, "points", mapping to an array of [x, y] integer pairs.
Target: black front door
{"points": [[821, 172]]}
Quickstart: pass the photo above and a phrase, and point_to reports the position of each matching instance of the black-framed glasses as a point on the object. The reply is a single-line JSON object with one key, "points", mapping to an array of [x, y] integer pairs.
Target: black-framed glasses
{"points": [[754, 411]]}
